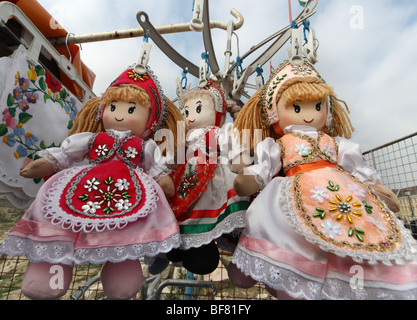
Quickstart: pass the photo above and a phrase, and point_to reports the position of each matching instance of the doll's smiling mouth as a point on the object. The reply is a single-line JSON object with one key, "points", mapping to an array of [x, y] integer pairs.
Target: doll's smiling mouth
{"points": [[308, 121], [191, 121], [119, 120]]}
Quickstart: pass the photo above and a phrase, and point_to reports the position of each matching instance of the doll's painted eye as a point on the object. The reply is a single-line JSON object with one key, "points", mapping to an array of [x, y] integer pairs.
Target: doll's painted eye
{"points": [[186, 113], [297, 109], [198, 109], [318, 106], [112, 107], [131, 110]]}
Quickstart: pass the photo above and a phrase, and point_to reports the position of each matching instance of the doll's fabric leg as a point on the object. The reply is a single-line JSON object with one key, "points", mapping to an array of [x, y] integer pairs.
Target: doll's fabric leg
{"points": [[123, 280], [238, 278], [46, 281], [202, 260], [158, 265], [175, 255]]}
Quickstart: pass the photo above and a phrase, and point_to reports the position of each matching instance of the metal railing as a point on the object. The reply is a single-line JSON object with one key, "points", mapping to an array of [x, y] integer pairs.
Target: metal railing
{"points": [[396, 162]]}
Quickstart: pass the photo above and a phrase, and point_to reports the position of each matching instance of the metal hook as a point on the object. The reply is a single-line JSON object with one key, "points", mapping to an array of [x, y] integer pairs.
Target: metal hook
{"points": [[66, 44]]}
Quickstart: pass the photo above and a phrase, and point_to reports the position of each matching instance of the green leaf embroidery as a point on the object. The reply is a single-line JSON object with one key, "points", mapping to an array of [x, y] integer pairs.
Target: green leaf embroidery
{"points": [[3, 130], [42, 83], [24, 117], [10, 100]]}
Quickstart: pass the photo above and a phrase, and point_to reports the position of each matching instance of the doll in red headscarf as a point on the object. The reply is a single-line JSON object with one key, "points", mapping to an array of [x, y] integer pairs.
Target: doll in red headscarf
{"points": [[111, 211]]}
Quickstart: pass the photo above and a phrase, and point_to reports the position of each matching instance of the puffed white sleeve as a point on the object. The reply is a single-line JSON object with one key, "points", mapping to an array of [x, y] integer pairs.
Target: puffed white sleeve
{"points": [[153, 161], [229, 144], [350, 159], [73, 149], [268, 162]]}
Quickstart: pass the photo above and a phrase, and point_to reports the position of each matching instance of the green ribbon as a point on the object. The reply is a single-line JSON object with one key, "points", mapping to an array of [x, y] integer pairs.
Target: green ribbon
{"points": [[201, 228]]}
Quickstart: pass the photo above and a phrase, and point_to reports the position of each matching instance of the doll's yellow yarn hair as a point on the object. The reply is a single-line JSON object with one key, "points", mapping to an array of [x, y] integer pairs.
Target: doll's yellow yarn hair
{"points": [[84, 121], [252, 118]]}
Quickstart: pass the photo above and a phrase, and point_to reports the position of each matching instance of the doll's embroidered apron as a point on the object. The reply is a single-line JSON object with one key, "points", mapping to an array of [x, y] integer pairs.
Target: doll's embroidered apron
{"points": [[330, 206], [190, 179], [108, 193]]}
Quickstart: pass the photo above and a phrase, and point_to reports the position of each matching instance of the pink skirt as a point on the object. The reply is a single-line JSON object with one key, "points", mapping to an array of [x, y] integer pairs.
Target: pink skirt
{"points": [[277, 249], [45, 233]]}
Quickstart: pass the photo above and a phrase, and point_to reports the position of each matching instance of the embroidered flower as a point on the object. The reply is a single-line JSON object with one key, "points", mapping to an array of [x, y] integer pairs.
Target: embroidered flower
{"points": [[302, 150], [136, 76], [319, 194], [331, 230], [30, 139], [24, 84], [32, 97], [23, 105], [19, 130], [92, 184], [122, 184], [131, 152], [32, 74], [8, 118], [10, 140], [20, 152], [328, 151], [303, 70], [123, 205], [102, 150], [17, 93], [52, 82], [90, 207], [357, 190]]}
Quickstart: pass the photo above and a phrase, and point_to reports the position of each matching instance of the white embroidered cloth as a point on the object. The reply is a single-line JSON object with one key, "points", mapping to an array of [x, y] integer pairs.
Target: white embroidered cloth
{"points": [[36, 113]]}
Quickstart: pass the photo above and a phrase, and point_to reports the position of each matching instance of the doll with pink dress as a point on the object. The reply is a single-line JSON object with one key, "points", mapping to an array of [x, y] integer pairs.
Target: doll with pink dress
{"points": [[111, 210], [317, 228]]}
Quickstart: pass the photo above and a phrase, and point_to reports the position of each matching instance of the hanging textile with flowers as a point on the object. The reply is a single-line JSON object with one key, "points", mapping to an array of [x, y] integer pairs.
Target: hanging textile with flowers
{"points": [[37, 112]]}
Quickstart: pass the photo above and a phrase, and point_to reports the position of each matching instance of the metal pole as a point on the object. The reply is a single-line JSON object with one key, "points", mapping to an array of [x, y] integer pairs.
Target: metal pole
{"points": [[139, 32]]}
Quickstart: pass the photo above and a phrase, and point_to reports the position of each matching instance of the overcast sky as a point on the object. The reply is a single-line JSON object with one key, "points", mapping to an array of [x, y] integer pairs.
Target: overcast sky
{"points": [[368, 49]]}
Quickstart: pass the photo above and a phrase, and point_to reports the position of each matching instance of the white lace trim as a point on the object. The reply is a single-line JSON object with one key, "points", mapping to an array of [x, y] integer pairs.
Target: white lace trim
{"points": [[52, 210], [234, 221], [303, 286], [407, 250], [63, 252]]}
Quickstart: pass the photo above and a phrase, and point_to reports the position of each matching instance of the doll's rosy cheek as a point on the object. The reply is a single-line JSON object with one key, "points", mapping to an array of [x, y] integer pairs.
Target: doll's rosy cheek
{"points": [[106, 117]]}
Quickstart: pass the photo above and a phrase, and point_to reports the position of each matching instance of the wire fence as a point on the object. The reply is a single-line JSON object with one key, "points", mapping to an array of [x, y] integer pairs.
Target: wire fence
{"points": [[396, 162]]}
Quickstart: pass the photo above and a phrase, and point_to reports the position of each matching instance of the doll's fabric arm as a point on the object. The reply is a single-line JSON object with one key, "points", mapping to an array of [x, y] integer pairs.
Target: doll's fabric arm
{"points": [[350, 159], [73, 149], [268, 162], [152, 161]]}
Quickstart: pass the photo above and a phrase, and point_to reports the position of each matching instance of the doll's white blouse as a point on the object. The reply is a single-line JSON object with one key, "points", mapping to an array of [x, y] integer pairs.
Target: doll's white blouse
{"points": [[350, 158], [76, 147]]}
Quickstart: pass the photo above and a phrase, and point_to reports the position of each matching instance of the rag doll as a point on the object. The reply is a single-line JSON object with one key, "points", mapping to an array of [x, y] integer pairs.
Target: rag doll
{"points": [[111, 210], [205, 203], [317, 229]]}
